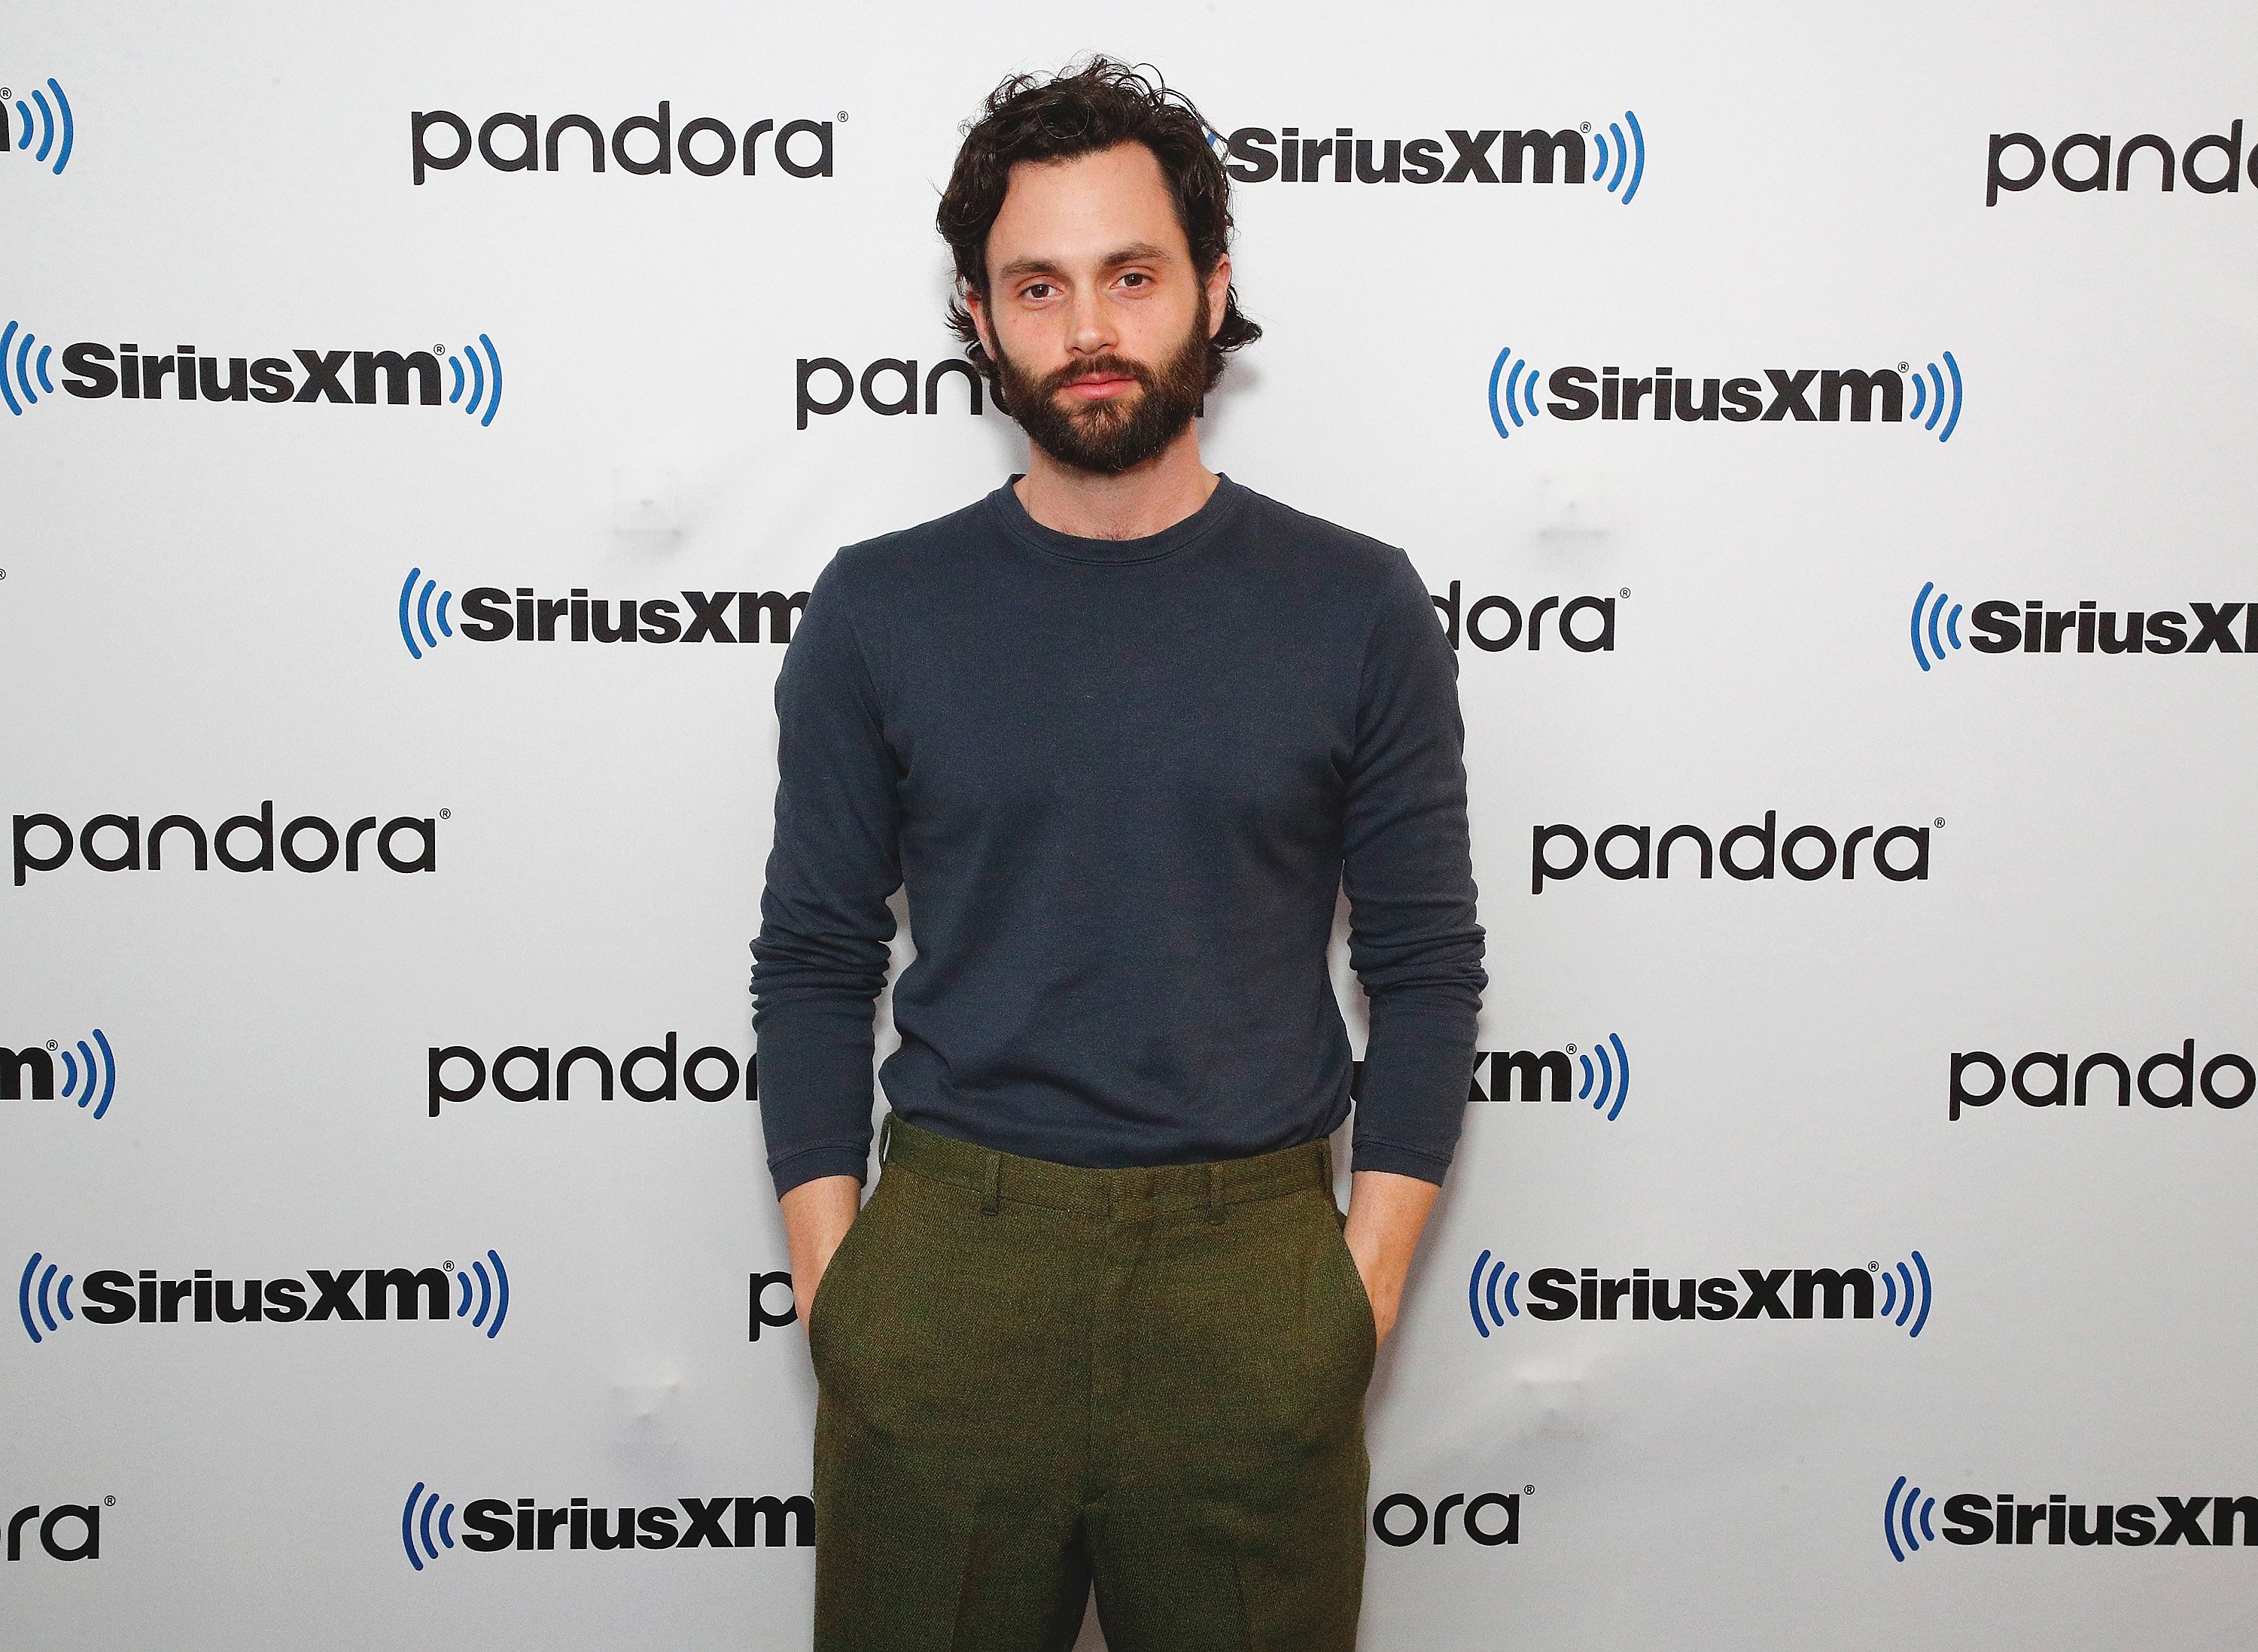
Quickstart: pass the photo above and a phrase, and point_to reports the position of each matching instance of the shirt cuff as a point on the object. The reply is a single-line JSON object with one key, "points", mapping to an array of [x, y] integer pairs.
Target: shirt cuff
{"points": [[1403, 1161], [810, 1162]]}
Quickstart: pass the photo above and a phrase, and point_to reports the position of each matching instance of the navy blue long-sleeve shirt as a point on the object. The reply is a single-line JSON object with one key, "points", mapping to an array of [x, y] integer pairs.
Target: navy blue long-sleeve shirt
{"points": [[1121, 782]]}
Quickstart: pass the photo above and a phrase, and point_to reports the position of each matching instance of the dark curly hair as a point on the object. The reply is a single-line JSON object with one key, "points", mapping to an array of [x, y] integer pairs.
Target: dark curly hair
{"points": [[1080, 111]]}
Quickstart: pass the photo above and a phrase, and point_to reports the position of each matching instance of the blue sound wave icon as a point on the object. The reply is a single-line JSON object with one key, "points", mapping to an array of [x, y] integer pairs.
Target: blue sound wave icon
{"points": [[482, 375], [23, 376], [1941, 400], [493, 1294], [1933, 628], [417, 614], [416, 1526], [1907, 1294], [1482, 1294], [1627, 152], [1519, 401], [1898, 1515], [50, 124], [40, 1297], [1613, 1077], [94, 1067]]}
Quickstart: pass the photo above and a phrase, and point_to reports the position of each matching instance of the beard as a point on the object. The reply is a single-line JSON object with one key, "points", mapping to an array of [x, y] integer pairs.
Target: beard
{"points": [[1109, 438]]}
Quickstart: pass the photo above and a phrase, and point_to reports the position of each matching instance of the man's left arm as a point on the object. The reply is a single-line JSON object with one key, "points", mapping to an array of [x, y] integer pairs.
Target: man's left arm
{"points": [[1407, 868], [1386, 1212]]}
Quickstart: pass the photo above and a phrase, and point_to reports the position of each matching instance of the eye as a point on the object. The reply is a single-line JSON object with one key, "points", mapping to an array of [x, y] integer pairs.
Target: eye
{"points": [[1135, 278], [1036, 290]]}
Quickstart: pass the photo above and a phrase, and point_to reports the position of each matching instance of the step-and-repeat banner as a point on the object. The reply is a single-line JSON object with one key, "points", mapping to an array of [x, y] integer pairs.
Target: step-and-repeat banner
{"points": [[1826, 438]]}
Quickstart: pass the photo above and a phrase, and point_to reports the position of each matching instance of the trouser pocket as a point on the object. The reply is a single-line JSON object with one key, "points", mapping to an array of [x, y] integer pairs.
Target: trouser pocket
{"points": [[1354, 1276], [835, 1287]]}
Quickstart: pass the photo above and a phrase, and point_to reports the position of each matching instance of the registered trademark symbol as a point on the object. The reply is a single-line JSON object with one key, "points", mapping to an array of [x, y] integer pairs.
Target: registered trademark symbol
{"points": [[4, 93], [449, 814], [1872, 1267], [1528, 1491], [1939, 820], [438, 350], [107, 1502], [51, 1044], [1586, 126], [449, 1266], [1571, 1049], [843, 113], [1904, 366], [1624, 592]]}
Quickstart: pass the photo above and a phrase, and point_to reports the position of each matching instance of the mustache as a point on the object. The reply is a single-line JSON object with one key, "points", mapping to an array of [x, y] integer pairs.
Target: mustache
{"points": [[1097, 367]]}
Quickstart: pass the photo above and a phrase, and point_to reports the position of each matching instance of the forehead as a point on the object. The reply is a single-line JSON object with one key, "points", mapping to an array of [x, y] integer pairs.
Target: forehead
{"points": [[1065, 211]]}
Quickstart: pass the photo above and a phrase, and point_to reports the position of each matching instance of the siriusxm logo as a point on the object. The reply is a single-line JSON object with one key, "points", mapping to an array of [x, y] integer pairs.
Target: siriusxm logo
{"points": [[1927, 399], [2044, 1079], [1494, 1294], [83, 1543], [89, 1074], [2212, 165], [112, 1296], [1972, 1517], [705, 146], [43, 128], [491, 1524], [888, 385], [488, 614], [113, 842], [1613, 156], [1493, 624], [1402, 1520], [472, 384], [651, 1073], [1546, 1076], [1601, 1075], [2029, 627], [1807, 854]]}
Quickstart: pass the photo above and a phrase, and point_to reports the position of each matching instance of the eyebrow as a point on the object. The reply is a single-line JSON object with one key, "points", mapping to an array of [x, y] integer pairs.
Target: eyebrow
{"points": [[1135, 252]]}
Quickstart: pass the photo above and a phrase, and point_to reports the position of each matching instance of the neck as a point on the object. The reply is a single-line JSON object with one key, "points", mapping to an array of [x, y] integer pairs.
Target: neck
{"points": [[1137, 504]]}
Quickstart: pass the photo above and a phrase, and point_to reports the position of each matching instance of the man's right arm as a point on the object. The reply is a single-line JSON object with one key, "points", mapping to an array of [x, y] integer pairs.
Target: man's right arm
{"points": [[819, 961], [816, 1216]]}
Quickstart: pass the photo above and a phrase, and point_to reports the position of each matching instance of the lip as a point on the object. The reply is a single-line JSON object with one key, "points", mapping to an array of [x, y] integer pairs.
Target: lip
{"points": [[1096, 389]]}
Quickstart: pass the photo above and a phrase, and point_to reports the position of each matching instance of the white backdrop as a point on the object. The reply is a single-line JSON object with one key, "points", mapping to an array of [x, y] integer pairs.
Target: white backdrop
{"points": [[202, 611]]}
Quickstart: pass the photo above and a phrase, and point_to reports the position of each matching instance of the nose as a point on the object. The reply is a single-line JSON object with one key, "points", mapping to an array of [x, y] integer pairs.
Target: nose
{"points": [[1091, 331]]}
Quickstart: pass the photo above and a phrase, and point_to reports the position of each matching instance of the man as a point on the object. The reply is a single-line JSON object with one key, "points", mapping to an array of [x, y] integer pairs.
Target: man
{"points": [[1120, 732]]}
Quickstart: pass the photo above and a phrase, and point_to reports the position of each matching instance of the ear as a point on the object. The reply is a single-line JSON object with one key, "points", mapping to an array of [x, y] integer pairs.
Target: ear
{"points": [[977, 307], [1219, 290]]}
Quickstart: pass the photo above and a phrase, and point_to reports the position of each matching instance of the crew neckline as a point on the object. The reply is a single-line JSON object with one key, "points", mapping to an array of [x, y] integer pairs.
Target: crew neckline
{"points": [[1221, 505]]}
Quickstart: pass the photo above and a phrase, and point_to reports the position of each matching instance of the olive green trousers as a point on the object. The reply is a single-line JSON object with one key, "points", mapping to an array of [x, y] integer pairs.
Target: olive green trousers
{"points": [[1034, 1378]]}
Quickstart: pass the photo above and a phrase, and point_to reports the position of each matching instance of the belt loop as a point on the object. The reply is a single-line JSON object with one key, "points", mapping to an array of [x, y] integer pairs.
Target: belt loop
{"points": [[992, 1191], [885, 1134], [1215, 1192]]}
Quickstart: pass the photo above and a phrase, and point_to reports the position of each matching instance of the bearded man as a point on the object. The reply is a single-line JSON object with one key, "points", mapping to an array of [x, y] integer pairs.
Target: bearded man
{"points": [[1122, 732]]}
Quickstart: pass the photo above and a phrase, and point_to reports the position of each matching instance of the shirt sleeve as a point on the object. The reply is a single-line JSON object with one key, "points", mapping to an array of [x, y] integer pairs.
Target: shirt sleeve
{"points": [[1408, 870], [819, 960]]}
